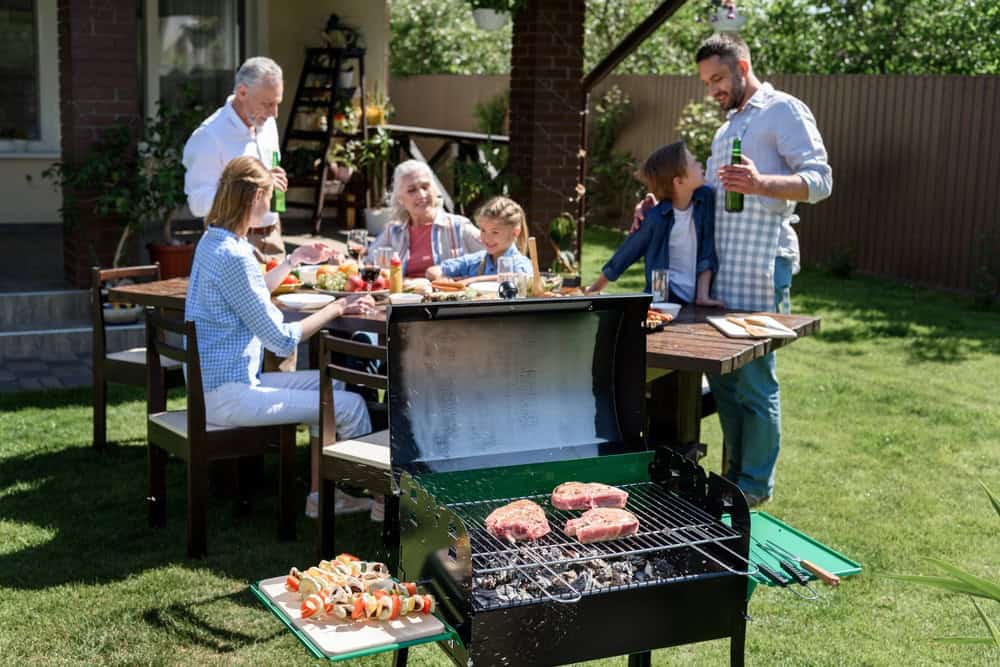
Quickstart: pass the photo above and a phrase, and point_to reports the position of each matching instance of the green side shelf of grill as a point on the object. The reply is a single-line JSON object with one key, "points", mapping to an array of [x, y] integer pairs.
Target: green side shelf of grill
{"points": [[449, 634], [765, 527]]}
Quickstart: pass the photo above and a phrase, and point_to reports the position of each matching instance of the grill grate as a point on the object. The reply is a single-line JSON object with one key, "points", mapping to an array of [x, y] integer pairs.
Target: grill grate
{"points": [[666, 521]]}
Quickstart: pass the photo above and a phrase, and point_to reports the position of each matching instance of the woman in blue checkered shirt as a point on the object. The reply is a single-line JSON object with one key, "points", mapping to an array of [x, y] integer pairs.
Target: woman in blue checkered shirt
{"points": [[229, 300]]}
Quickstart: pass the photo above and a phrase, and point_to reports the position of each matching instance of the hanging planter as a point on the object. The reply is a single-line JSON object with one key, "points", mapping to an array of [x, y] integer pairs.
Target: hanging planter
{"points": [[725, 18], [490, 19]]}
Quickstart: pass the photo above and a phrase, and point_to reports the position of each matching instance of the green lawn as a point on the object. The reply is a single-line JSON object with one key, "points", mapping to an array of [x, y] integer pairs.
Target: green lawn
{"points": [[890, 418]]}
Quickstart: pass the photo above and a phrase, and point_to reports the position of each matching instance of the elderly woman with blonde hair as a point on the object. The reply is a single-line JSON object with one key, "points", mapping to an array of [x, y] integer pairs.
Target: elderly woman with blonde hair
{"points": [[420, 231], [229, 300]]}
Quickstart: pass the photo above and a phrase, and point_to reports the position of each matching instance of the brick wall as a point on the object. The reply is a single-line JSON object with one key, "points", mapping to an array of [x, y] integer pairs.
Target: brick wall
{"points": [[545, 100], [99, 85]]}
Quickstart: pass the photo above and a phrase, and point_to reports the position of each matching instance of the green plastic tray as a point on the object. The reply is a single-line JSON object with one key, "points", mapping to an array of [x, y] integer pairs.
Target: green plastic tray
{"points": [[765, 527], [315, 650]]}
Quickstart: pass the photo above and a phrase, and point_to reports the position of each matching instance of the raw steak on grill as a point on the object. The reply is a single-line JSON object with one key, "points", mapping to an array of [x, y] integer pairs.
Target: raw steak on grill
{"points": [[602, 524], [581, 496], [519, 520]]}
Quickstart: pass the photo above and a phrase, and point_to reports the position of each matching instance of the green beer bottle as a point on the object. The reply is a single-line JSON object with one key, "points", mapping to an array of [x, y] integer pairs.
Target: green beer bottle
{"points": [[734, 200], [278, 198]]}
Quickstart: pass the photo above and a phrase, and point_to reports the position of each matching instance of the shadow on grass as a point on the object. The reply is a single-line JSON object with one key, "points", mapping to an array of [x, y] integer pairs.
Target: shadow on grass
{"points": [[935, 327], [197, 623], [75, 397]]}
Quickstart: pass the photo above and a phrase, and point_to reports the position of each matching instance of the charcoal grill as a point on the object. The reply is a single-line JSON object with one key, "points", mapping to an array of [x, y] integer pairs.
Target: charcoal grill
{"points": [[490, 403]]}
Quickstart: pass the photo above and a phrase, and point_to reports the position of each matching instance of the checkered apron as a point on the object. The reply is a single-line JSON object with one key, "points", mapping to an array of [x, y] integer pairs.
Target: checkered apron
{"points": [[745, 242]]}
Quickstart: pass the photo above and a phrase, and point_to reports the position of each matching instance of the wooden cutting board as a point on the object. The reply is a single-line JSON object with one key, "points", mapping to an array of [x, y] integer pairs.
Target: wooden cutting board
{"points": [[335, 637], [774, 329]]}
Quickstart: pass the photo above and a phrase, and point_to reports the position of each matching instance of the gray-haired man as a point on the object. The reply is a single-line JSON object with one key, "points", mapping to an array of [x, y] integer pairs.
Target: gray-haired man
{"points": [[244, 125]]}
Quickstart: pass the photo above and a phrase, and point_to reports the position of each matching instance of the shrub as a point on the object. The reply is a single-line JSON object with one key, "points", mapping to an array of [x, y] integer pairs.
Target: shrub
{"points": [[697, 125]]}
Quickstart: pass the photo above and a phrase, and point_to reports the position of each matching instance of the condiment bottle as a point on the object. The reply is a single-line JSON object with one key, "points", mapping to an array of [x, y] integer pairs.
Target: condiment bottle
{"points": [[395, 274]]}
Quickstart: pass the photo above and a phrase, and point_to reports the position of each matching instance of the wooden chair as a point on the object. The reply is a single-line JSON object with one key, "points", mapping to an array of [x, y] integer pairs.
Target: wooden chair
{"points": [[185, 434], [127, 366], [362, 462]]}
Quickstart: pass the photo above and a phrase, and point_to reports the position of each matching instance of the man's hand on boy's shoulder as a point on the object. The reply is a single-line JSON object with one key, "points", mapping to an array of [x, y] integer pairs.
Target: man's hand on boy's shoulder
{"points": [[639, 214]]}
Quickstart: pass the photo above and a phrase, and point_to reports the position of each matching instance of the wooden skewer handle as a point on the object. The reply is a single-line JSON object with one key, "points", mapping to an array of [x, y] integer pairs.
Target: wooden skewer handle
{"points": [[828, 578]]}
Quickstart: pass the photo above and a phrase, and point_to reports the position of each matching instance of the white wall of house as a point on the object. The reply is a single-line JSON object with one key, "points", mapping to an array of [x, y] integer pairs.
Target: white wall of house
{"points": [[27, 197], [277, 28]]}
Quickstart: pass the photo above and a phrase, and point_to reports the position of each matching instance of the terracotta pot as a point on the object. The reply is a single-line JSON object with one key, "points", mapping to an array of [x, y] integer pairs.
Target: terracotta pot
{"points": [[175, 260]]}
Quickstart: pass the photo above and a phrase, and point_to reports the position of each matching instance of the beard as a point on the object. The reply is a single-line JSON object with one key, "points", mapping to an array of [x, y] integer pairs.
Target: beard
{"points": [[736, 94]]}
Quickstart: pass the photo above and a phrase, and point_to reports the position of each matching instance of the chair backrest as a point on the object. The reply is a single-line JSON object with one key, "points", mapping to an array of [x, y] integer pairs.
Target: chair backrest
{"points": [[331, 367], [187, 353], [98, 277]]}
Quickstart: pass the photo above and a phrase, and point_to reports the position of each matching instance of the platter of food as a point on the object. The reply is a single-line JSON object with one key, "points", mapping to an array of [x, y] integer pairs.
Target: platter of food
{"points": [[348, 606], [656, 321], [287, 286]]}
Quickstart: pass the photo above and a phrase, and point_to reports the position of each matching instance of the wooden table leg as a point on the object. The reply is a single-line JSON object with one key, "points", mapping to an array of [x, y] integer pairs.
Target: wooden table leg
{"points": [[673, 409]]}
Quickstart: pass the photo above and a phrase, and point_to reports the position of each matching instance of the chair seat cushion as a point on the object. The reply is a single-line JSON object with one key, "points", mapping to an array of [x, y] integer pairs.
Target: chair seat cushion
{"points": [[176, 421], [370, 450], [137, 355]]}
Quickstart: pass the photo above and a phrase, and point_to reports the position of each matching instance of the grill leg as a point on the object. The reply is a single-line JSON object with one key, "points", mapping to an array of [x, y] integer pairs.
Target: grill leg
{"points": [[399, 658], [644, 659], [736, 644]]}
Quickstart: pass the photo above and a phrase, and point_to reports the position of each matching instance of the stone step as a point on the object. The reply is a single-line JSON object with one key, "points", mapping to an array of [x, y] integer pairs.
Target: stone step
{"points": [[42, 310], [56, 343]]}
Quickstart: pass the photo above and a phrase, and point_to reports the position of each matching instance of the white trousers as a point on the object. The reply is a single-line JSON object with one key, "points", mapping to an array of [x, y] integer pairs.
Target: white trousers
{"points": [[284, 398]]}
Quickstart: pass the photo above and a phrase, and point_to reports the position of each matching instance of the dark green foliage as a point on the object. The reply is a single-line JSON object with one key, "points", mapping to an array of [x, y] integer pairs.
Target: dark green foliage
{"points": [[612, 189], [697, 125]]}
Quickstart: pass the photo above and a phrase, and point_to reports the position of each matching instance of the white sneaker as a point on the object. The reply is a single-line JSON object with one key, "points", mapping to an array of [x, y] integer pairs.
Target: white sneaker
{"points": [[346, 504], [378, 509]]}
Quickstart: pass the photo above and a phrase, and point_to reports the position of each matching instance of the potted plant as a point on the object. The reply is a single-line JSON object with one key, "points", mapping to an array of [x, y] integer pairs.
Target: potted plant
{"points": [[562, 234], [345, 78], [493, 14], [378, 108], [342, 159], [373, 155], [137, 181]]}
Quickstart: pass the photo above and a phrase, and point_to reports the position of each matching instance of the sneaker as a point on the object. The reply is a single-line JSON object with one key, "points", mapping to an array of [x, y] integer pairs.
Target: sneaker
{"points": [[346, 504], [378, 509], [756, 501], [312, 505]]}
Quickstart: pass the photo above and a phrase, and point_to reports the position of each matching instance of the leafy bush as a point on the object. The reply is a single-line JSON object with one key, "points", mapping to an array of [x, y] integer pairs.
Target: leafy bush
{"points": [[475, 182], [697, 125], [612, 189]]}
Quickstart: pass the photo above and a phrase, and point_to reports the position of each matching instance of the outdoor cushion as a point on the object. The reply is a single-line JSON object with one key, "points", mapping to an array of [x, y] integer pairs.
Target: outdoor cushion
{"points": [[370, 450], [137, 355], [176, 421]]}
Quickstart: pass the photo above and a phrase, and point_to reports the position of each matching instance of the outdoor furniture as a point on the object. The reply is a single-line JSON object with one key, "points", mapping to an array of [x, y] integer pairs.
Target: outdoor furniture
{"points": [[124, 367], [185, 434], [361, 462]]}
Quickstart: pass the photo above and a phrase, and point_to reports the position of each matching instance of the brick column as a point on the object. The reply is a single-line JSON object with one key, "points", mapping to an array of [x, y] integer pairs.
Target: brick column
{"points": [[545, 101], [98, 86]]}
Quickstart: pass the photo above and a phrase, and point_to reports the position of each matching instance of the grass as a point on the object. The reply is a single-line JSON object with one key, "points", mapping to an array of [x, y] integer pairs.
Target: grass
{"points": [[890, 417]]}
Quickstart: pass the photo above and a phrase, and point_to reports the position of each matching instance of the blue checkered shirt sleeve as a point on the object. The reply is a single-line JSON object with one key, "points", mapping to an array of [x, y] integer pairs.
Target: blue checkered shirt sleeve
{"points": [[246, 293]]}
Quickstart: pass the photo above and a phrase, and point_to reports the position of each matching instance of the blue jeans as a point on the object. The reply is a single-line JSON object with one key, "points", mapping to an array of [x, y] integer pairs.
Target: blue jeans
{"points": [[749, 405], [782, 285]]}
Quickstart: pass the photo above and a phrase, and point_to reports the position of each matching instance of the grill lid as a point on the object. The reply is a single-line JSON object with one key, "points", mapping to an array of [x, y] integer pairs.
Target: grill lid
{"points": [[487, 384]]}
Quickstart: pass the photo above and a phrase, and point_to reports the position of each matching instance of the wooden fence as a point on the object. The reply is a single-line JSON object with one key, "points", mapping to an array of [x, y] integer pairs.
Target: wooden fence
{"points": [[916, 159]]}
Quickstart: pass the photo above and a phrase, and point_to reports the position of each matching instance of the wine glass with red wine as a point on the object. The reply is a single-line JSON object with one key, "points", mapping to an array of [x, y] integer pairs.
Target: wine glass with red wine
{"points": [[357, 241]]}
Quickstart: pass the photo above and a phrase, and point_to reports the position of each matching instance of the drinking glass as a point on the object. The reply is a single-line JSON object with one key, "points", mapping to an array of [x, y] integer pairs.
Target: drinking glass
{"points": [[357, 241], [506, 271], [383, 257], [660, 283]]}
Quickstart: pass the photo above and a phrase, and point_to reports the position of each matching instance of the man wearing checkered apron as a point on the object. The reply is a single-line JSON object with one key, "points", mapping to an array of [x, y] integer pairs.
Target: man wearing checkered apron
{"points": [[784, 162]]}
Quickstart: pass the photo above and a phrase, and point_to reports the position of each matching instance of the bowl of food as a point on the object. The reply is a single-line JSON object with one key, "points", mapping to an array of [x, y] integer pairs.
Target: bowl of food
{"points": [[405, 298], [287, 286]]}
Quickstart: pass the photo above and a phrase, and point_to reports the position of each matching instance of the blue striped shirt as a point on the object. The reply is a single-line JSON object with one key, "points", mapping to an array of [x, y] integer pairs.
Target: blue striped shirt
{"points": [[467, 266], [232, 310]]}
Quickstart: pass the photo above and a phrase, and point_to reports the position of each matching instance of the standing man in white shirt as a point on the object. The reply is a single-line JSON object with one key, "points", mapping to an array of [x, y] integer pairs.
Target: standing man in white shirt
{"points": [[244, 125]]}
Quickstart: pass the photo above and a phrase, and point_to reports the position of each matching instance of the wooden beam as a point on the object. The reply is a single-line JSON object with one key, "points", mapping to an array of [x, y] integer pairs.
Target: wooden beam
{"points": [[631, 43]]}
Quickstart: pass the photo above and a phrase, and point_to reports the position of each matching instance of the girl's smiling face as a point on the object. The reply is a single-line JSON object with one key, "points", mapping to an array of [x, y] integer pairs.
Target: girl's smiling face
{"points": [[497, 236]]}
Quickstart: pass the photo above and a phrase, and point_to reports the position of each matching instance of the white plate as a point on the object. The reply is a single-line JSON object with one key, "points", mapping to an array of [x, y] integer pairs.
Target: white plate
{"points": [[489, 287], [304, 301], [774, 328], [405, 298], [666, 307]]}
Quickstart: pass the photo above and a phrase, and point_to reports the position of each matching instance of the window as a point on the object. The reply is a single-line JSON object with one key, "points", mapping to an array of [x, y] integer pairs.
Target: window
{"points": [[196, 43], [19, 77]]}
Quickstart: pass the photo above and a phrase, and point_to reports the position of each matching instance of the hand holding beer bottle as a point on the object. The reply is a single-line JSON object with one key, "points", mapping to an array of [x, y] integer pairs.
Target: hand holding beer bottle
{"points": [[278, 198], [734, 200]]}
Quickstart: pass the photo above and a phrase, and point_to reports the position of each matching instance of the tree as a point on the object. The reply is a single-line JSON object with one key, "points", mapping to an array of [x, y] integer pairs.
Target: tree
{"points": [[440, 37]]}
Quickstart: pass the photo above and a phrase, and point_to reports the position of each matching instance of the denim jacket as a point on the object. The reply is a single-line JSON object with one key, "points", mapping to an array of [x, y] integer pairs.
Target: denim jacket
{"points": [[652, 239]]}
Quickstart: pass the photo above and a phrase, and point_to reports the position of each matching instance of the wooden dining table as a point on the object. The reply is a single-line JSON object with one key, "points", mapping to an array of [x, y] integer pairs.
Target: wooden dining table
{"points": [[676, 357]]}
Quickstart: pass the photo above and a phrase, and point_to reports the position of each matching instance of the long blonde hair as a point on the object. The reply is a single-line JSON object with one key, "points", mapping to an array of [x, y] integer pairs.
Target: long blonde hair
{"points": [[508, 212], [239, 183]]}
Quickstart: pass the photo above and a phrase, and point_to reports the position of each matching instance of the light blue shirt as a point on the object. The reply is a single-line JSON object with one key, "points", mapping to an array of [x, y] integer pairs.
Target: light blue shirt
{"points": [[778, 132], [467, 266], [232, 310]]}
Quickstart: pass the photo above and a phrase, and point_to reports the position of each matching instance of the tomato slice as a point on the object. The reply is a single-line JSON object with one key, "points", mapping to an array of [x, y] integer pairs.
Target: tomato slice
{"points": [[359, 608], [395, 607], [291, 583], [410, 587]]}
